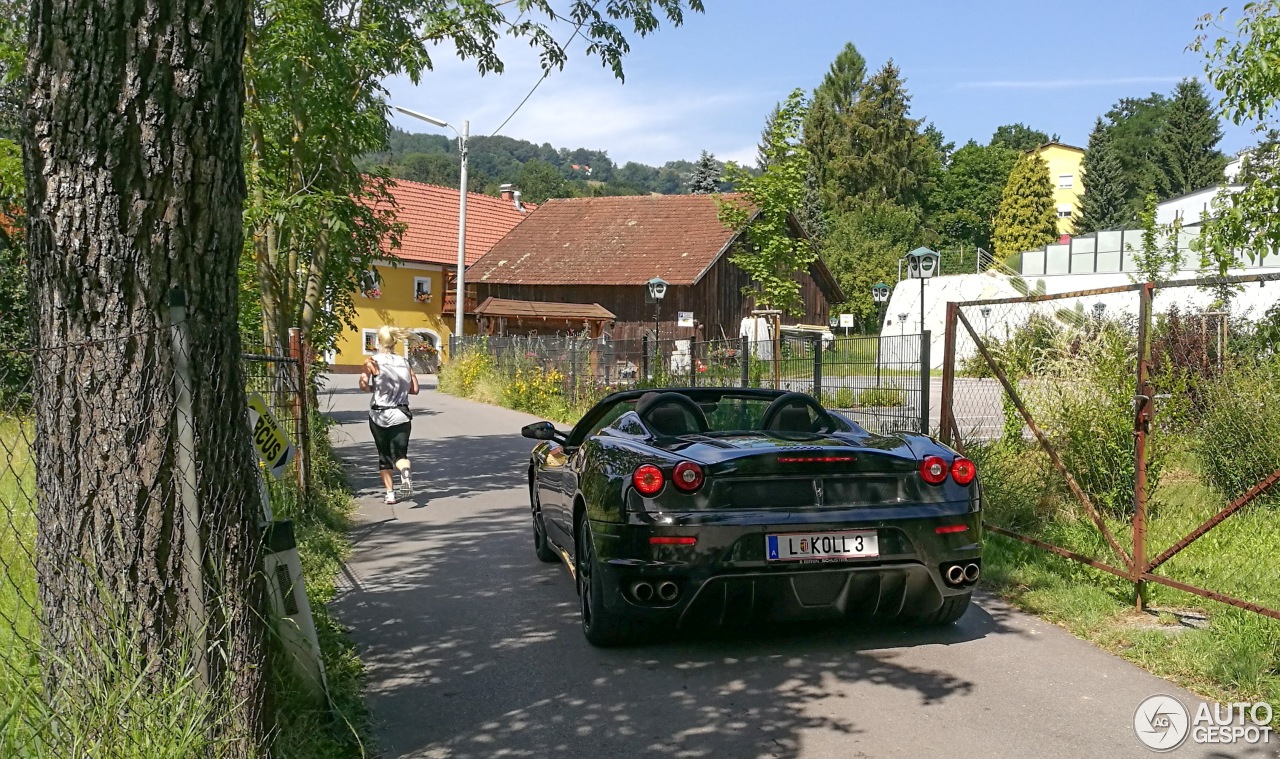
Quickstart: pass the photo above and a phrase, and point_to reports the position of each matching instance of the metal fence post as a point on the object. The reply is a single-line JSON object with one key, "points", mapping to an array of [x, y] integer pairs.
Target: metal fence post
{"points": [[946, 420], [745, 352], [693, 361], [644, 358], [302, 463], [817, 367], [925, 379], [196, 612], [1141, 428], [573, 370], [453, 346]]}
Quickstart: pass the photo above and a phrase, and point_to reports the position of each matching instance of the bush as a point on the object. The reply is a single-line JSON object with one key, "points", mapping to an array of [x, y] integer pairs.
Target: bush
{"points": [[460, 374], [842, 398], [882, 396], [1236, 439]]}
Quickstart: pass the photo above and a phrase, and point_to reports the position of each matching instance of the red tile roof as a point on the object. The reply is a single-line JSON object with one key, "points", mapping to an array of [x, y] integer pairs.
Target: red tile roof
{"points": [[429, 214], [610, 241]]}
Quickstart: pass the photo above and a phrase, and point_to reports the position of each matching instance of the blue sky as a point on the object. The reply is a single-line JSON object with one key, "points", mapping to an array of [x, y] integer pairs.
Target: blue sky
{"points": [[708, 85]]}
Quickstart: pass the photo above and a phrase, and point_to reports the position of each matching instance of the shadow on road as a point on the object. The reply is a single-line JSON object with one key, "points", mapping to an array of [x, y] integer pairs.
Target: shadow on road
{"points": [[474, 649]]}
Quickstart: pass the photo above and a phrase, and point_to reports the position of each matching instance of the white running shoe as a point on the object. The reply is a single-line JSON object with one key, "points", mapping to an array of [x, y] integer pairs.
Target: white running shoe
{"points": [[391, 497], [406, 483]]}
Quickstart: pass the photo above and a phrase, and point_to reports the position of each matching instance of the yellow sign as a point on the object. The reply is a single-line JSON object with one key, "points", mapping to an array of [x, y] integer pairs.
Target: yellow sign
{"points": [[269, 439]]}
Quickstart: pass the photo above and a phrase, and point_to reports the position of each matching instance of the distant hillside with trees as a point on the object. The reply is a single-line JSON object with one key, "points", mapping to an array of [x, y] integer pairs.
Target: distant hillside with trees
{"points": [[539, 171]]}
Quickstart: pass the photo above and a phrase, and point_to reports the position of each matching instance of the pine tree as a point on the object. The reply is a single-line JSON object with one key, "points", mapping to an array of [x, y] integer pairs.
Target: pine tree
{"points": [[1026, 219], [1103, 204], [887, 158], [825, 131], [1188, 157], [706, 175], [762, 150]]}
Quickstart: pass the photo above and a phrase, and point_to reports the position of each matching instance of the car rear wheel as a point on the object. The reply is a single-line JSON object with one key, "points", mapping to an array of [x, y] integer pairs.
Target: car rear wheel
{"points": [[601, 627], [952, 609], [541, 545]]}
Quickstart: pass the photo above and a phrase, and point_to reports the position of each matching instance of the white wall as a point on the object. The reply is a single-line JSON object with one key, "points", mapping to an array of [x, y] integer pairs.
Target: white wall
{"points": [[1193, 207], [1251, 303]]}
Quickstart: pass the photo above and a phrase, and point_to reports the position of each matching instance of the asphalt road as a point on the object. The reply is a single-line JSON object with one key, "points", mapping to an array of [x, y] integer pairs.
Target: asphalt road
{"points": [[473, 648]]}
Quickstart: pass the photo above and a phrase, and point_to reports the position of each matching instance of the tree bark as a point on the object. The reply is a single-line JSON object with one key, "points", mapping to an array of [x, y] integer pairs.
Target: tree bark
{"points": [[132, 149]]}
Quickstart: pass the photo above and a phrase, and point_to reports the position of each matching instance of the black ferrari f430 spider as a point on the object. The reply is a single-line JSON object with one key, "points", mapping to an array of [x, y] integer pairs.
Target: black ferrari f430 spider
{"points": [[689, 508]]}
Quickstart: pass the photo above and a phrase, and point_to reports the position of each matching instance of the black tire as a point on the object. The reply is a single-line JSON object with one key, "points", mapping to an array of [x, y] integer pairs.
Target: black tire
{"points": [[952, 609], [541, 545], [602, 628]]}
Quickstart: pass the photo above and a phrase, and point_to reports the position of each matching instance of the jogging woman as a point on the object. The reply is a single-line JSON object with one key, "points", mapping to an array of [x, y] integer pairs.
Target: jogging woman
{"points": [[391, 380]]}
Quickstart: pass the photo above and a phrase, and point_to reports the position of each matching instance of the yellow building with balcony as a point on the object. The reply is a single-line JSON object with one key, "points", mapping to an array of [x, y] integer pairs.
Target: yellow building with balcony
{"points": [[1064, 162], [413, 286]]}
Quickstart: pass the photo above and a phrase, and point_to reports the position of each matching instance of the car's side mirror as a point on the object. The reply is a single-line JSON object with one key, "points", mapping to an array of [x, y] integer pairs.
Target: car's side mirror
{"points": [[542, 431]]}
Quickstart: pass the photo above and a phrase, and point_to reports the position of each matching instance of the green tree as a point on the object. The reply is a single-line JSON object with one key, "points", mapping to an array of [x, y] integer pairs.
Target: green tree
{"points": [[967, 197], [1026, 219], [826, 130], [1135, 125], [1102, 203], [14, 301], [771, 251], [1159, 257], [941, 145], [438, 169], [706, 175], [1241, 66], [1189, 158], [314, 73], [539, 180], [762, 149], [862, 248], [1019, 137], [887, 157]]}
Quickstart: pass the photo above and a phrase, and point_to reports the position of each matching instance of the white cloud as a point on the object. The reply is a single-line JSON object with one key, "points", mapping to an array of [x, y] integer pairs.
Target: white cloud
{"points": [[643, 120], [1061, 84]]}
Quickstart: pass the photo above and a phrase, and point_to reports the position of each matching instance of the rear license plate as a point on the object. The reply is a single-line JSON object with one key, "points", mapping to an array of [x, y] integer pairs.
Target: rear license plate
{"points": [[798, 546]]}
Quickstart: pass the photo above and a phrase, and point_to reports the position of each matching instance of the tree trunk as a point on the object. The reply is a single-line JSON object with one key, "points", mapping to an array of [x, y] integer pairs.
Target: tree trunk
{"points": [[132, 151]]}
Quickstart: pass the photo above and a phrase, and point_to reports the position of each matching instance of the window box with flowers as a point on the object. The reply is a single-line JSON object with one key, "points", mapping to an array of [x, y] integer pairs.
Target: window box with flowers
{"points": [[427, 357], [372, 292], [371, 284], [422, 289], [422, 297]]}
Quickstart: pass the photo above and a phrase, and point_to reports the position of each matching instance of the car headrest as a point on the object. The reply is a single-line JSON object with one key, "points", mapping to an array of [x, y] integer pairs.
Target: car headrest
{"points": [[671, 414], [792, 418]]}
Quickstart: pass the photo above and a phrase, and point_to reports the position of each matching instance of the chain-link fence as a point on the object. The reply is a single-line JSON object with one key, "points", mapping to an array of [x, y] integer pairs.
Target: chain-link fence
{"points": [[880, 382], [1133, 428], [133, 608]]}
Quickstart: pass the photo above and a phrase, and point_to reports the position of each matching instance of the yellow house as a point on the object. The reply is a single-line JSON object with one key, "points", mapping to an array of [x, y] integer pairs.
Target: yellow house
{"points": [[413, 287], [1064, 163]]}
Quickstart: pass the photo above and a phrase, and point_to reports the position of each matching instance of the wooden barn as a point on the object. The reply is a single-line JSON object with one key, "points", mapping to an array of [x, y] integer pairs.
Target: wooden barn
{"points": [[600, 253]]}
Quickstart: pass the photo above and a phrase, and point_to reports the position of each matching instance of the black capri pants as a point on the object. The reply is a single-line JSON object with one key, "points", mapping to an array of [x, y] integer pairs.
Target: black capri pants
{"points": [[392, 442]]}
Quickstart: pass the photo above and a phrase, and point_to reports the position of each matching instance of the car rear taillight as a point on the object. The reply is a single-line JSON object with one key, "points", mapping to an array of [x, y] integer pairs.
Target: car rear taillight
{"points": [[687, 476], [963, 470], [647, 479], [933, 470]]}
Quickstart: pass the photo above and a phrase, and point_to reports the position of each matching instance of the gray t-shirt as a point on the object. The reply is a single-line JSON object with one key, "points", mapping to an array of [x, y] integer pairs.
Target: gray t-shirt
{"points": [[390, 389]]}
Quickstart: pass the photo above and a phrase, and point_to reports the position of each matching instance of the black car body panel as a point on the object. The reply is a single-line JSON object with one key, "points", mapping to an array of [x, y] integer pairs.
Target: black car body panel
{"points": [[836, 482]]}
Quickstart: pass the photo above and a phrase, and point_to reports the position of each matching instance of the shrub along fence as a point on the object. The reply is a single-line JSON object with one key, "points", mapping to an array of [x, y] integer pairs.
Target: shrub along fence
{"points": [[137, 626], [1127, 434], [880, 382]]}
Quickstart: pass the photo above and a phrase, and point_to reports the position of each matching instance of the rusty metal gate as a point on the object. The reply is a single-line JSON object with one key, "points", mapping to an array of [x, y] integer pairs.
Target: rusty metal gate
{"points": [[1118, 427]]}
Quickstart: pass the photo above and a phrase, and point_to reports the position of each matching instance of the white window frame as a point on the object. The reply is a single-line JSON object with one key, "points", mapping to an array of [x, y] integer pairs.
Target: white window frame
{"points": [[371, 279], [422, 281], [1067, 185], [365, 334], [1064, 210]]}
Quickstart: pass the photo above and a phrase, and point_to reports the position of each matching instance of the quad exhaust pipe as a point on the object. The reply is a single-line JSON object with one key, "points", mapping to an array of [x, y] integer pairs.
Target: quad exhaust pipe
{"points": [[645, 592], [958, 575]]}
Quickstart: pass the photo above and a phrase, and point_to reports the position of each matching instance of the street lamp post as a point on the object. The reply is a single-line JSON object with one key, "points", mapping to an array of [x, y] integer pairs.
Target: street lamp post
{"points": [[1098, 309], [657, 291], [986, 321], [879, 294], [922, 263], [902, 323], [460, 295]]}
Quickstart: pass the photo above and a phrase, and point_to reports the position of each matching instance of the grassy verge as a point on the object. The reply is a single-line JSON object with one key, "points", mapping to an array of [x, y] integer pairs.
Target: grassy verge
{"points": [[340, 728]]}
